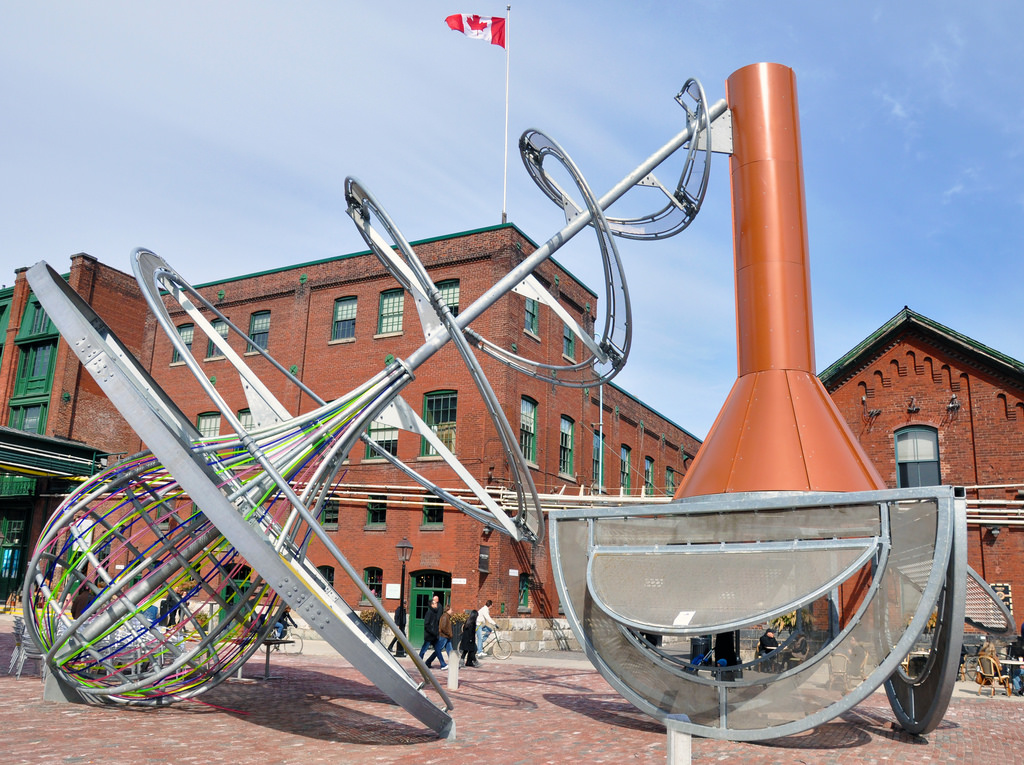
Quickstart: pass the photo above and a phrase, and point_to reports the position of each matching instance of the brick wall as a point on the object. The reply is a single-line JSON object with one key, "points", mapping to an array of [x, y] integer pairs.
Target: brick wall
{"points": [[301, 303], [912, 382]]}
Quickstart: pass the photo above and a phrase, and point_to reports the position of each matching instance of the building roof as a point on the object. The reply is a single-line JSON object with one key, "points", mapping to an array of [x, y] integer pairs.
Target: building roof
{"points": [[670, 421], [417, 243], [24, 453], [966, 348]]}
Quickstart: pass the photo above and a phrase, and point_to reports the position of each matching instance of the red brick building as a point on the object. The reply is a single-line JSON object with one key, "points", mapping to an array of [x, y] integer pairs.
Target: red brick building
{"points": [[928, 404], [931, 406], [60, 427], [337, 322]]}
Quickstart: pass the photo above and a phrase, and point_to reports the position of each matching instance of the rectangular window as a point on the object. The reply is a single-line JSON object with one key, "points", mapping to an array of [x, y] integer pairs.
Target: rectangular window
{"points": [[568, 342], [40, 321], [4, 316], [185, 332], [528, 428], [565, 438], [35, 369], [532, 319], [332, 509], [208, 424], [670, 481], [221, 328], [624, 468], [259, 330], [31, 419], [245, 417], [597, 465], [439, 410], [377, 510], [392, 303], [344, 319], [433, 512], [648, 476], [449, 290], [385, 436]]}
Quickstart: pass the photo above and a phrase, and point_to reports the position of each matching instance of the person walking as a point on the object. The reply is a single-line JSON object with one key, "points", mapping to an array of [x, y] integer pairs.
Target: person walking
{"points": [[431, 623], [400, 623], [467, 646], [444, 637]]}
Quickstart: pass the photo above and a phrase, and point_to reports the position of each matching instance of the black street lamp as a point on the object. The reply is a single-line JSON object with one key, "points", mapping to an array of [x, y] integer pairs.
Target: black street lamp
{"points": [[404, 554]]}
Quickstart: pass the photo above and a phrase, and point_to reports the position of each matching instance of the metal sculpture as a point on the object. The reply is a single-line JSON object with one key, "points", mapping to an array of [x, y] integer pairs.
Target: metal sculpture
{"points": [[226, 520], [779, 513], [229, 518]]}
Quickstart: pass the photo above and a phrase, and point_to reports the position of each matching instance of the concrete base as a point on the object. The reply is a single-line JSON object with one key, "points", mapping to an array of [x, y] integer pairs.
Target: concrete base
{"points": [[55, 689], [680, 745], [453, 673]]}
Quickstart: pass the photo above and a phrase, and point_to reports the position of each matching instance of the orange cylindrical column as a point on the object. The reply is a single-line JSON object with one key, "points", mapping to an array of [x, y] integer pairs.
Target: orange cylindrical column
{"points": [[773, 291], [778, 429]]}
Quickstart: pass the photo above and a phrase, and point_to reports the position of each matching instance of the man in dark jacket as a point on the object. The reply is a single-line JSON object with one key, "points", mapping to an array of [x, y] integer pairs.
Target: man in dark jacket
{"points": [[431, 623]]}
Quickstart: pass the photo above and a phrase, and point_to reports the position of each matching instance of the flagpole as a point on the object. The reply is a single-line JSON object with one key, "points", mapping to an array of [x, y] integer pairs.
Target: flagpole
{"points": [[504, 182]]}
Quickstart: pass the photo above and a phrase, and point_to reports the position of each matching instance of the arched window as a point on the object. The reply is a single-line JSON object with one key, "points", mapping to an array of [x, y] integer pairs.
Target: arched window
{"points": [[648, 476], [528, 428], [259, 331], [208, 424], [449, 289], [374, 578], [439, 411], [917, 457], [221, 328], [389, 317], [624, 468], [185, 332], [327, 572], [566, 464]]}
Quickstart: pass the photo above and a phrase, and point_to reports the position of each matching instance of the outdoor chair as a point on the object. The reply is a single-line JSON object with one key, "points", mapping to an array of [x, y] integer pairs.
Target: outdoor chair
{"points": [[19, 626], [27, 651], [989, 673], [840, 668]]}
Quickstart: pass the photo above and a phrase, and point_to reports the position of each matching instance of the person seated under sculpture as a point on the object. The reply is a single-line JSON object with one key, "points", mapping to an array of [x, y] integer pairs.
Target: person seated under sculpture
{"points": [[766, 643], [726, 656], [799, 650]]}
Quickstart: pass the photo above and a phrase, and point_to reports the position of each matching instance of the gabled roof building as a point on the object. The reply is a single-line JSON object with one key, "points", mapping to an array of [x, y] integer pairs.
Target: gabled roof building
{"points": [[932, 406]]}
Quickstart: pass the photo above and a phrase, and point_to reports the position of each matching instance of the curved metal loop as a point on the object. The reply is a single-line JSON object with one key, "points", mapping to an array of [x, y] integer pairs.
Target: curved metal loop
{"points": [[682, 204], [605, 355], [402, 262]]}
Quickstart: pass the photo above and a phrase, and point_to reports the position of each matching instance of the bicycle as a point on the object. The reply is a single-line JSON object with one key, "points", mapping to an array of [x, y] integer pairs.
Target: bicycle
{"points": [[289, 634], [969, 668], [497, 646]]}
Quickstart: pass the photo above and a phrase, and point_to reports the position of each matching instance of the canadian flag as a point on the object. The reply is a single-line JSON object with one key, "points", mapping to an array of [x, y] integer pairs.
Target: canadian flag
{"points": [[491, 29]]}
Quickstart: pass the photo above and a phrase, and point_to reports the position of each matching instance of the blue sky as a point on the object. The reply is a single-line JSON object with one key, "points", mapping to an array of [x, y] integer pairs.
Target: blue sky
{"points": [[220, 134]]}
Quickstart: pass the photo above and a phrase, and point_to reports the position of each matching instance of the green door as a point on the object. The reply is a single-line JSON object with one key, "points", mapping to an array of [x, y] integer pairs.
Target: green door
{"points": [[425, 585]]}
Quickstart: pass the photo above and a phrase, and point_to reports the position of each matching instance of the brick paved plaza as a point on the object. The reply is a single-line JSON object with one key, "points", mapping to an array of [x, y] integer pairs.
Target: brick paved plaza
{"points": [[531, 709]]}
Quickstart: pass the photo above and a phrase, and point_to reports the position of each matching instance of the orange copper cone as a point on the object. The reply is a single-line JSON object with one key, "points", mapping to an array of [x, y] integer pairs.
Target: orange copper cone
{"points": [[778, 429]]}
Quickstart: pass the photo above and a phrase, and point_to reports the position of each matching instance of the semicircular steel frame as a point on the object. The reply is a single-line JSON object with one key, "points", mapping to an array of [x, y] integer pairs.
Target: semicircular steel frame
{"points": [[767, 704], [920, 699], [789, 593], [985, 610]]}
